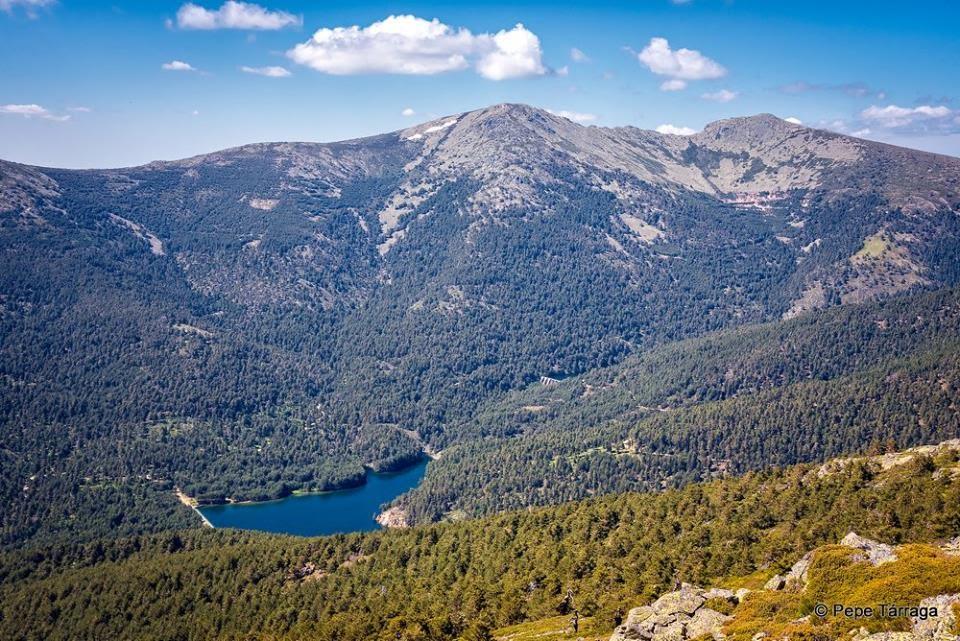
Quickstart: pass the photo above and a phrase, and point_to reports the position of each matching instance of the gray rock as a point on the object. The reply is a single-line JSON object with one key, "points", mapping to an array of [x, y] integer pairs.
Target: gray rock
{"points": [[676, 631], [638, 625], [720, 593], [776, 582], [877, 553], [887, 636], [706, 621], [937, 628], [952, 547], [686, 600], [742, 593], [798, 573]]}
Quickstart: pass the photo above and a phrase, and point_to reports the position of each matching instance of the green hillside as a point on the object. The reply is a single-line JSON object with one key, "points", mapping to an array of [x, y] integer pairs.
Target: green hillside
{"points": [[601, 556]]}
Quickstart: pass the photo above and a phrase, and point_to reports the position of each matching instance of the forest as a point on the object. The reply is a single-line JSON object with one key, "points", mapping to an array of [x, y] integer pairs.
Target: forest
{"points": [[462, 580]]}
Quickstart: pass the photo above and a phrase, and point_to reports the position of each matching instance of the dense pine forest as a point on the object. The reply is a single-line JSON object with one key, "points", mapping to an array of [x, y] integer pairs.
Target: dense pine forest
{"points": [[446, 581]]}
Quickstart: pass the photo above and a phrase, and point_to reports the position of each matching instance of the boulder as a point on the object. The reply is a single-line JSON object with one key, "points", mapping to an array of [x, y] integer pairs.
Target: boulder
{"points": [[798, 573], [939, 628], [776, 582], [742, 593], [877, 553], [706, 621], [676, 631], [675, 616], [686, 600], [638, 625]]}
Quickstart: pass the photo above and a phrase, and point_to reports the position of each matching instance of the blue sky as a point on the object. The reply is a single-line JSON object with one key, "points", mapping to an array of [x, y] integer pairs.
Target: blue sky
{"points": [[106, 84]]}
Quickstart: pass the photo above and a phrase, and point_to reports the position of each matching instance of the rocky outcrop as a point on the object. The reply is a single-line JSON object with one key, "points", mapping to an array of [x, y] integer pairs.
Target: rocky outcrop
{"points": [[876, 553], [868, 550], [686, 614], [677, 616], [940, 627], [393, 517]]}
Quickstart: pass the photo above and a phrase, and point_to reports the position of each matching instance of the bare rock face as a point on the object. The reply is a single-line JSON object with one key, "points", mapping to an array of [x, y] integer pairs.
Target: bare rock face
{"points": [[797, 576], [676, 616], [875, 552]]}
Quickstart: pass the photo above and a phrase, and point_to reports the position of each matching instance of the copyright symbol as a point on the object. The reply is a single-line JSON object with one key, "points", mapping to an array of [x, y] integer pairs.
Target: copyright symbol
{"points": [[820, 610]]}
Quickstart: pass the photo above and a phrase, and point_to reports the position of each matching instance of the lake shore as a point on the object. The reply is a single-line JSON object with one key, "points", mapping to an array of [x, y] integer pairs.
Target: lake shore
{"points": [[191, 503]]}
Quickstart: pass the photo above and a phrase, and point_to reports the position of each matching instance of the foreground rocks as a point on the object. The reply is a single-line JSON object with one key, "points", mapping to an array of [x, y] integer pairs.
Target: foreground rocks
{"points": [[684, 615], [677, 616]]}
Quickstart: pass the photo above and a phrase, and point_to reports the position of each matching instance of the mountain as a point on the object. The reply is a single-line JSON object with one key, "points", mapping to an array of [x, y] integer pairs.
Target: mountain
{"points": [[279, 316]]}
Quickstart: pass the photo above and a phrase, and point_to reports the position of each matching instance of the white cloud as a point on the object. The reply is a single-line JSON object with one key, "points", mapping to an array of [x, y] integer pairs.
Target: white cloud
{"points": [[415, 46], [794, 120], [563, 71], [29, 6], [408, 112], [31, 111], [578, 56], [676, 131], [724, 95], [516, 54], [860, 133], [80, 110], [892, 116], [574, 115], [234, 15], [270, 72], [679, 65], [177, 65]]}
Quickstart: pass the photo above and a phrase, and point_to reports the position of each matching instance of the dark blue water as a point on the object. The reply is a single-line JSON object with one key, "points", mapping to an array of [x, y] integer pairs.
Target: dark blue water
{"points": [[351, 510]]}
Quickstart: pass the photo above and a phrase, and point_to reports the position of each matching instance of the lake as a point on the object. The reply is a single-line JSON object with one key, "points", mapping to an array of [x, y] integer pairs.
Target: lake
{"points": [[352, 510]]}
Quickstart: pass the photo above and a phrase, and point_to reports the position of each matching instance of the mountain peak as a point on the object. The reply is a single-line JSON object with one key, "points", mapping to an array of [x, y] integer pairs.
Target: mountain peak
{"points": [[749, 129]]}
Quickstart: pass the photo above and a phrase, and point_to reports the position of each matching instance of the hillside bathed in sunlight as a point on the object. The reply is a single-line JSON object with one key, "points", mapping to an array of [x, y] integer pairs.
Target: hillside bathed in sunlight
{"points": [[507, 321]]}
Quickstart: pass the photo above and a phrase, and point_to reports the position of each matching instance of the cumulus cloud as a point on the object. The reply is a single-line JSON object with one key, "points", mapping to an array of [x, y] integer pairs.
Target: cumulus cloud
{"points": [[575, 116], [177, 65], [408, 112], [516, 53], [892, 116], [724, 95], [269, 72], [676, 131], [794, 120], [680, 65], [31, 111], [414, 46], [578, 56], [234, 15], [29, 6]]}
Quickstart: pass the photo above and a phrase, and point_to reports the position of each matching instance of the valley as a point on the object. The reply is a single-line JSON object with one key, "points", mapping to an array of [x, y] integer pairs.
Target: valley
{"points": [[281, 317]]}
